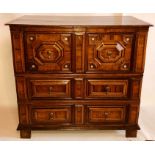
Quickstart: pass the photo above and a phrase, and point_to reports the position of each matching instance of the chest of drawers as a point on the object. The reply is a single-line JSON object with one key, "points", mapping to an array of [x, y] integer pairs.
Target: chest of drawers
{"points": [[78, 72]]}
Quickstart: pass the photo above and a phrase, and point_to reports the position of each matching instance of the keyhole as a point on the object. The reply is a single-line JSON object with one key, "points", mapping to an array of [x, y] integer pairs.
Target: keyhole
{"points": [[50, 90], [51, 115], [105, 114], [107, 89]]}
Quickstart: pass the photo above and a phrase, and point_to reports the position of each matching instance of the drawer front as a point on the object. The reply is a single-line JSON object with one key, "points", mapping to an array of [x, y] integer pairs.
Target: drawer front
{"points": [[106, 88], [49, 89], [99, 114], [48, 52], [52, 115], [109, 52]]}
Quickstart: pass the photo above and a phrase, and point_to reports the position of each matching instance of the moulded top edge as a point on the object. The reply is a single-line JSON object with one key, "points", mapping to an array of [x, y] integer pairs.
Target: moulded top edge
{"points": [[78, 21]]}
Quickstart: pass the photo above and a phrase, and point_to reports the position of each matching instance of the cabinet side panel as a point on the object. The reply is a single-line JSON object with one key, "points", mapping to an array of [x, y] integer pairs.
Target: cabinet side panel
{"points": [[18, 51], [23, 114], [21, 88], [140, 51], [136, 88], [133, 114]]}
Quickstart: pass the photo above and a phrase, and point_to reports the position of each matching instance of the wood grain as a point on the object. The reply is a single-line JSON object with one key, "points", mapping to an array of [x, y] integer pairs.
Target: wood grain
{"points": [[78, 72]]}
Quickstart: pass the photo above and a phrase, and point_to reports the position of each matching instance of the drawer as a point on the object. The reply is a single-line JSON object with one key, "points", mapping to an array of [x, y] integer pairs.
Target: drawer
{"points": [[109, 52], [97, 88], [99, 114], [49, 88], [53, 115], [48, 52]]}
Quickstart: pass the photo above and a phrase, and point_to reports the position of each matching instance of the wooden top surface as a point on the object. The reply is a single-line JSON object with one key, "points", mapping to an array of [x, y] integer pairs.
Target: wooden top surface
{"points": [[78, 21]]}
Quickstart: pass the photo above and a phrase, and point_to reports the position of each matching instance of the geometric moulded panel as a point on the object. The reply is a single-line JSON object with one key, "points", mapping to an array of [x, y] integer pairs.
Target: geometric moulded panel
{"points": [[109, 52], [48, 52]]}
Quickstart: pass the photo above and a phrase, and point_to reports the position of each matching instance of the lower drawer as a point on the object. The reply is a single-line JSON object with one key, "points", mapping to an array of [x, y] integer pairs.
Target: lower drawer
{"points": [[54, 115], [86, 113], [101, 114]]}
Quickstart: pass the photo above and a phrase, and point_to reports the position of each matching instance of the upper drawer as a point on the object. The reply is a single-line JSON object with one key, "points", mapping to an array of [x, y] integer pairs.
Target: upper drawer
{"points": [[109, 52], [97, 88], [47, 52], [49, 89]]}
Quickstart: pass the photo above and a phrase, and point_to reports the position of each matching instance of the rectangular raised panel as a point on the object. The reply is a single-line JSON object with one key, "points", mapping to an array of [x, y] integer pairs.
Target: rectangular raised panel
{"points": [[79, 50], [106, 88], [79, 114], [47, 52], [99, 114], [50, 89], [52, 115], [79, 88], [109, 52]]}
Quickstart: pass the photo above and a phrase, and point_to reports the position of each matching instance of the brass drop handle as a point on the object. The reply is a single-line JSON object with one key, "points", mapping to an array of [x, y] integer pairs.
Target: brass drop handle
{"points": [[105, 115], [107, 88], [109, 53], [50, 90], [49, 54], [51, 115]]}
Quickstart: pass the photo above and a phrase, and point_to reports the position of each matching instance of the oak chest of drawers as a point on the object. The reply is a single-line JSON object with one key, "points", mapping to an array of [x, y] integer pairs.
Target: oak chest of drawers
{"points": [[78, 72]]}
